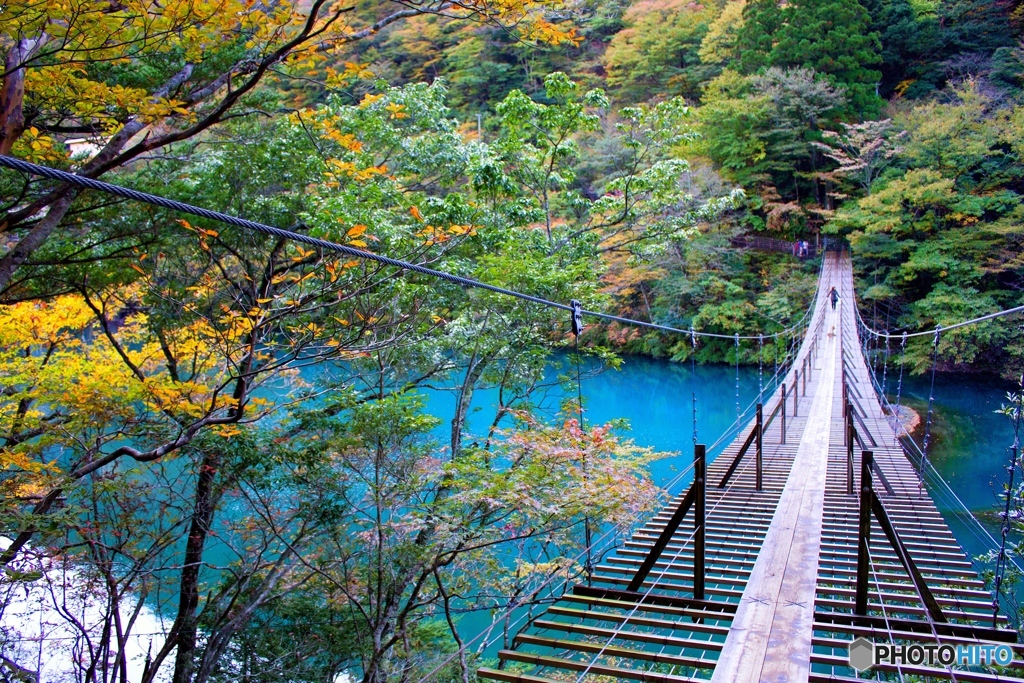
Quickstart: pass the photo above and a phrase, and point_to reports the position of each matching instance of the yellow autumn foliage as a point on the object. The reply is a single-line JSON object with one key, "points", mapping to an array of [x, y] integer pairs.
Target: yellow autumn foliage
{"points": [[64, 381]]}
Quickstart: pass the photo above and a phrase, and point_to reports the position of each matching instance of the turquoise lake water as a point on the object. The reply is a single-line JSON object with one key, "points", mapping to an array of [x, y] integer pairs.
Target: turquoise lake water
{"points": [[968, 446], [654, 397]]}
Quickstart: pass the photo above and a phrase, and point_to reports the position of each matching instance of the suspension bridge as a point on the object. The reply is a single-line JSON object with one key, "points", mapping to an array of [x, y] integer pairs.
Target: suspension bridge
{"points": [[812, 530]]}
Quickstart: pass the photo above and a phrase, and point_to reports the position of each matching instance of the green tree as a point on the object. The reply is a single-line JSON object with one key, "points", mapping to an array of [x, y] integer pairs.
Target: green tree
{"points": [[909, 37], [832, 37], [762, 131], [941, 231], [719, 45], [657, 52]]}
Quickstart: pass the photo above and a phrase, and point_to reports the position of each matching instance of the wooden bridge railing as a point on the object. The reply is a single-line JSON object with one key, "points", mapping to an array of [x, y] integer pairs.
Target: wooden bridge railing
{"points": [[773, 244]]}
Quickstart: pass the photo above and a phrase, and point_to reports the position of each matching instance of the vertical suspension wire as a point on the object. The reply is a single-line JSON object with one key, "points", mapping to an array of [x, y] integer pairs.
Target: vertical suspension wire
{"points": [[885, 363], [577, 329], [775, 357], [794, 348], [931, 407], [1017, 411], [885, 369], [760, 368], [693, 380], [737, 338], [899, 393]]}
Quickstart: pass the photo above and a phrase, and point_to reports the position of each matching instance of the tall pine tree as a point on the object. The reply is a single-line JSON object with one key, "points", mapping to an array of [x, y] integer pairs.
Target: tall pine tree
{"points": [[833, 37]]}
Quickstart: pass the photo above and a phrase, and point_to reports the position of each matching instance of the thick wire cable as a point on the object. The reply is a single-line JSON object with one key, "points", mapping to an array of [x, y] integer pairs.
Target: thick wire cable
{"points": [[946, 328], [326, 245]]}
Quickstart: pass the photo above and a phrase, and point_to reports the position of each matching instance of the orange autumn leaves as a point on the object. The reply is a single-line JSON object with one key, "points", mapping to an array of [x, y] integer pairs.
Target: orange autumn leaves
{"points": [[433, 234]]}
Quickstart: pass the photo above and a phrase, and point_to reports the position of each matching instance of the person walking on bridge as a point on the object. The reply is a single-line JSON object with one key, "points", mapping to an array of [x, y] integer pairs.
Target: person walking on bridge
{"points": [[834, 296]]}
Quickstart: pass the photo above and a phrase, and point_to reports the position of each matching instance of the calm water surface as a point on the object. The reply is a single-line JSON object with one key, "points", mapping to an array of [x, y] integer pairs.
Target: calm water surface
{"points": [[968, 445]]}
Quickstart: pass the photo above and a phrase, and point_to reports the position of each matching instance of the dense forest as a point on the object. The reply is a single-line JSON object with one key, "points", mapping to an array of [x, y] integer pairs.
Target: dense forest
{"points": [[232, 431]]}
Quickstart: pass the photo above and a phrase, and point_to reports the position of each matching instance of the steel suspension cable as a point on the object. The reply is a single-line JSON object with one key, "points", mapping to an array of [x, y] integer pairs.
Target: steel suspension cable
{"points": [[947, 328], [327, 245]]}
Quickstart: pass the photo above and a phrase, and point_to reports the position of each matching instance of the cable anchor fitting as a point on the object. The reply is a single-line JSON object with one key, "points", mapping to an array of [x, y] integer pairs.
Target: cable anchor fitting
{"points": [[577, 317]]}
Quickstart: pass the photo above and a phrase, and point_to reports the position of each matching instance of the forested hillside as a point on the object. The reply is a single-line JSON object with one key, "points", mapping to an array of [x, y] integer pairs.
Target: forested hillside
{"points": [[809, 108], [241, 435]]}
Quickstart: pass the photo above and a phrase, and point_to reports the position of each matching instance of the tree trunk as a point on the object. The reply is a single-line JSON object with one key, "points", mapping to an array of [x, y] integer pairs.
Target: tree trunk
{"points": [[182, 635], [12, 91], [188, 602], [35, 238], [465, 399]]}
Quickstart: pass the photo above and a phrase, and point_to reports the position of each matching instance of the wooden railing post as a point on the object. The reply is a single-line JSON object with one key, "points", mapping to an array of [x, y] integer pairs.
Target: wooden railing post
{"points": [[796, 393], [783, 439], [700, 482], [864, 534], [758, 443], [803, 376], [849, 438], [663, 539]]}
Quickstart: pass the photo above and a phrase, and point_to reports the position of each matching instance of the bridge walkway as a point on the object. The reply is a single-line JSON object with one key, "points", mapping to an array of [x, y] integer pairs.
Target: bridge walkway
{"points": [[780, 561]]}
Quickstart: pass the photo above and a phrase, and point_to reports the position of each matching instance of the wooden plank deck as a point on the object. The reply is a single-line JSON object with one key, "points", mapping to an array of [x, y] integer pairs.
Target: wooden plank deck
{"points": [[780, 562], [770, 638]]}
